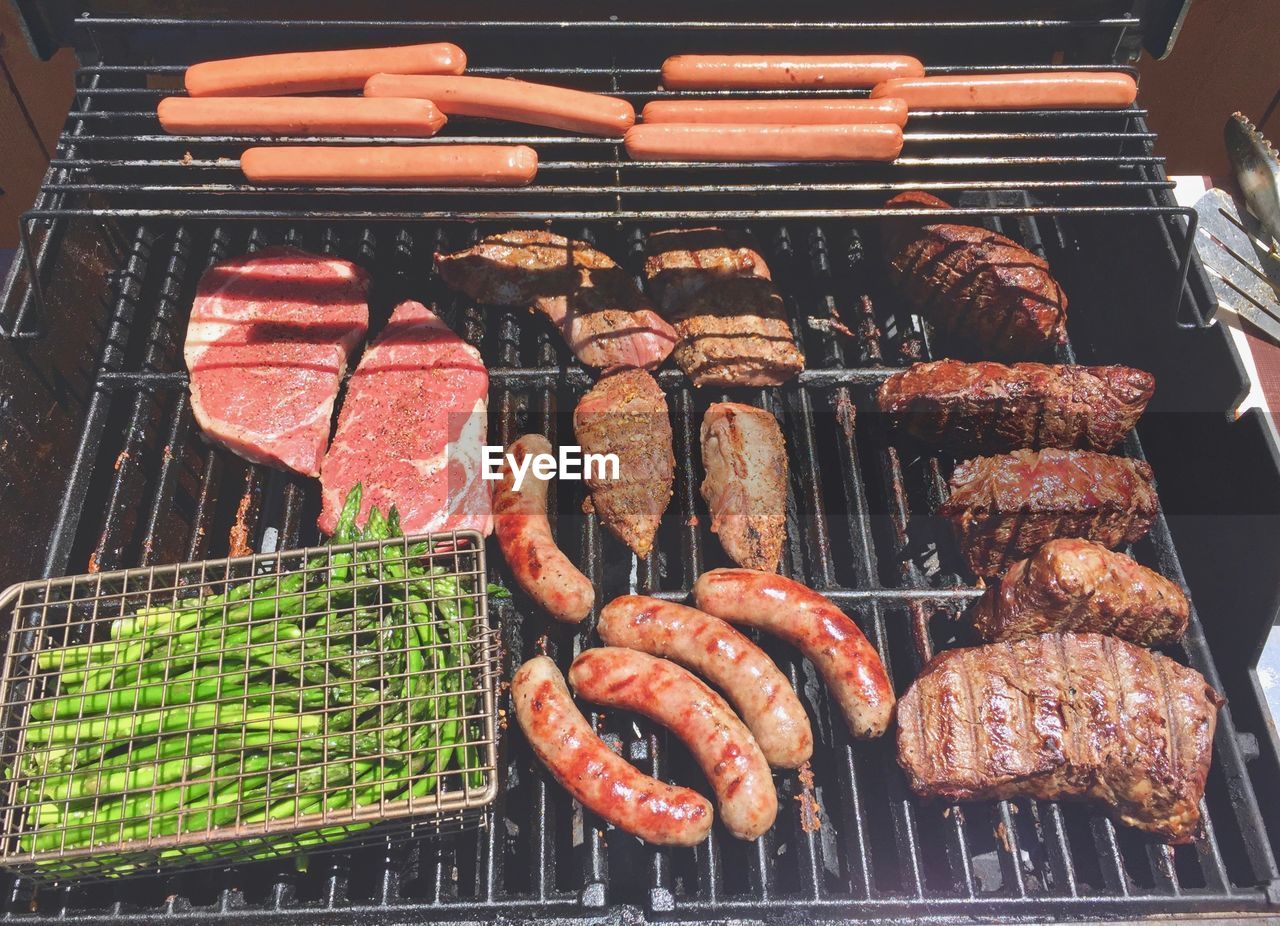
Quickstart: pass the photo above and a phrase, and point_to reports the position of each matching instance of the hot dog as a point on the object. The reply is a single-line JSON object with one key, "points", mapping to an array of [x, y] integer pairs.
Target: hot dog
{"points": [[1057, 90], [524, 534], [512, 100], [784, 72], [764, 142], [224, 115], [597, 777], [315, 71], [671, 696], [441, 165], [722, 655], [826, 635], [777, 112]]}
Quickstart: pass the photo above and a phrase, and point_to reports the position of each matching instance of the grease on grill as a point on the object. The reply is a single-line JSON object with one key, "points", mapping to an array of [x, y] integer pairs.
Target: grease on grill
{"points": [[810, 809]]}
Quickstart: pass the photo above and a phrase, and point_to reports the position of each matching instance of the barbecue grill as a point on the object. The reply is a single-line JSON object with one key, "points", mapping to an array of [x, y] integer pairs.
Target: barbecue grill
{"points": [[104, 468]]}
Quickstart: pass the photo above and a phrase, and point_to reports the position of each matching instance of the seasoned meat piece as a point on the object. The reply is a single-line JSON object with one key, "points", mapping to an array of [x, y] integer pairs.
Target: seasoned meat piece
{"points": [[978, 288], [1063, 716], [1006, 507], [991, 408], [681, 262], [735, 333], [746, 486], [626, 414], [1079, 586], [599, 308]]}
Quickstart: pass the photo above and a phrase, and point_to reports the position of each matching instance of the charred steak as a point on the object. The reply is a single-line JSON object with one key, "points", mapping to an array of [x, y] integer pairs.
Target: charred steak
{"points": [[978, 288], [991, 408], [626, 414], [1080, 586], [680, 262], [1006, 507], [746, 486], [266, 348], [412, 429], [1063, 716]]}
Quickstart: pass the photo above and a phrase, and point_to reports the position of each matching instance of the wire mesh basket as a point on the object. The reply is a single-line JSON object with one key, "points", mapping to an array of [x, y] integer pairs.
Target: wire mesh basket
{"points": [[247, 708]]}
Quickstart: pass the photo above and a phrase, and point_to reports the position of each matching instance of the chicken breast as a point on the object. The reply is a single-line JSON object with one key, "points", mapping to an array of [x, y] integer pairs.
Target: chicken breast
{"points": [[745, 457]]}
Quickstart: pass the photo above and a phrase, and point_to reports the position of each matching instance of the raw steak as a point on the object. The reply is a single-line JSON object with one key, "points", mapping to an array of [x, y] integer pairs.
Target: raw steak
{"points": [[267, 345], [412, 429]]}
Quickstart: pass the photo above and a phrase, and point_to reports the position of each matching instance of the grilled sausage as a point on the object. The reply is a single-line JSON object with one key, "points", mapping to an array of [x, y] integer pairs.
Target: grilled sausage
{"points": [[316, 71], [777, 112], [665, 141], [826, 635], [1051, 90], [1080, 586], [598, 778], [223, 115], [671, 696], [712, 648], [513, 101], [524, 534], [441, 165], [784, 72]]}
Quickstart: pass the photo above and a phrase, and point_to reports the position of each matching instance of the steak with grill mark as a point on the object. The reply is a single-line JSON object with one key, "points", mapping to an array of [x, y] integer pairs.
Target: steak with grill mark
{"points": [[992, 408], [681, 262], [1005, 507], [1063, 716]]}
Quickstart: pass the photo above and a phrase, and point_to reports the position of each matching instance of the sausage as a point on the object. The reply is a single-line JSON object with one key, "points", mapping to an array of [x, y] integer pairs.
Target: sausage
{"points": [[222, 115], [1044, 90], [715, 650], [664, 141], [316, 71], [784, 72], [671, 696], [512, 100], [524, 534], [826, 635], [438, 165], [777, 112], [596, 776]]}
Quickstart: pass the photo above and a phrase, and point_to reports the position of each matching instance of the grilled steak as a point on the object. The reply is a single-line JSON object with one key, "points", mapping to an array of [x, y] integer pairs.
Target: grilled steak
{"points": [[626, 414], [1063, 716], [598, 307], [1006, 507], [1079, 586], [412, 429], [266, 348], [746, 486], [978, 288], [681, 262], [991, 408]]}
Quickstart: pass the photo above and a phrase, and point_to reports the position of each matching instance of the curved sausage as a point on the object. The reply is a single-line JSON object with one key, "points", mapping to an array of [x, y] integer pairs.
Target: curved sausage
{"points": [[669, 141], [777, 112], [826, 635], [1043, 90], [784, 72], [513, 101], [318, 115], [438, 165], [315, 71], [722, 655], [671, 696], [524, 534], [598, 778]]}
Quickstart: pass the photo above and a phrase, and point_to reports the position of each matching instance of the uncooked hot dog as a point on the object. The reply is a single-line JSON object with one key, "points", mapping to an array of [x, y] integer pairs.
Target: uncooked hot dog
{"points": [[438, 165], [596, 776], [316, 71], [671, 696], [1055, 90], [315, 115], [826, 635], [722, 655], [514, 101], [784, 72], [524, 534], [777, 112], [665, 141]]}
